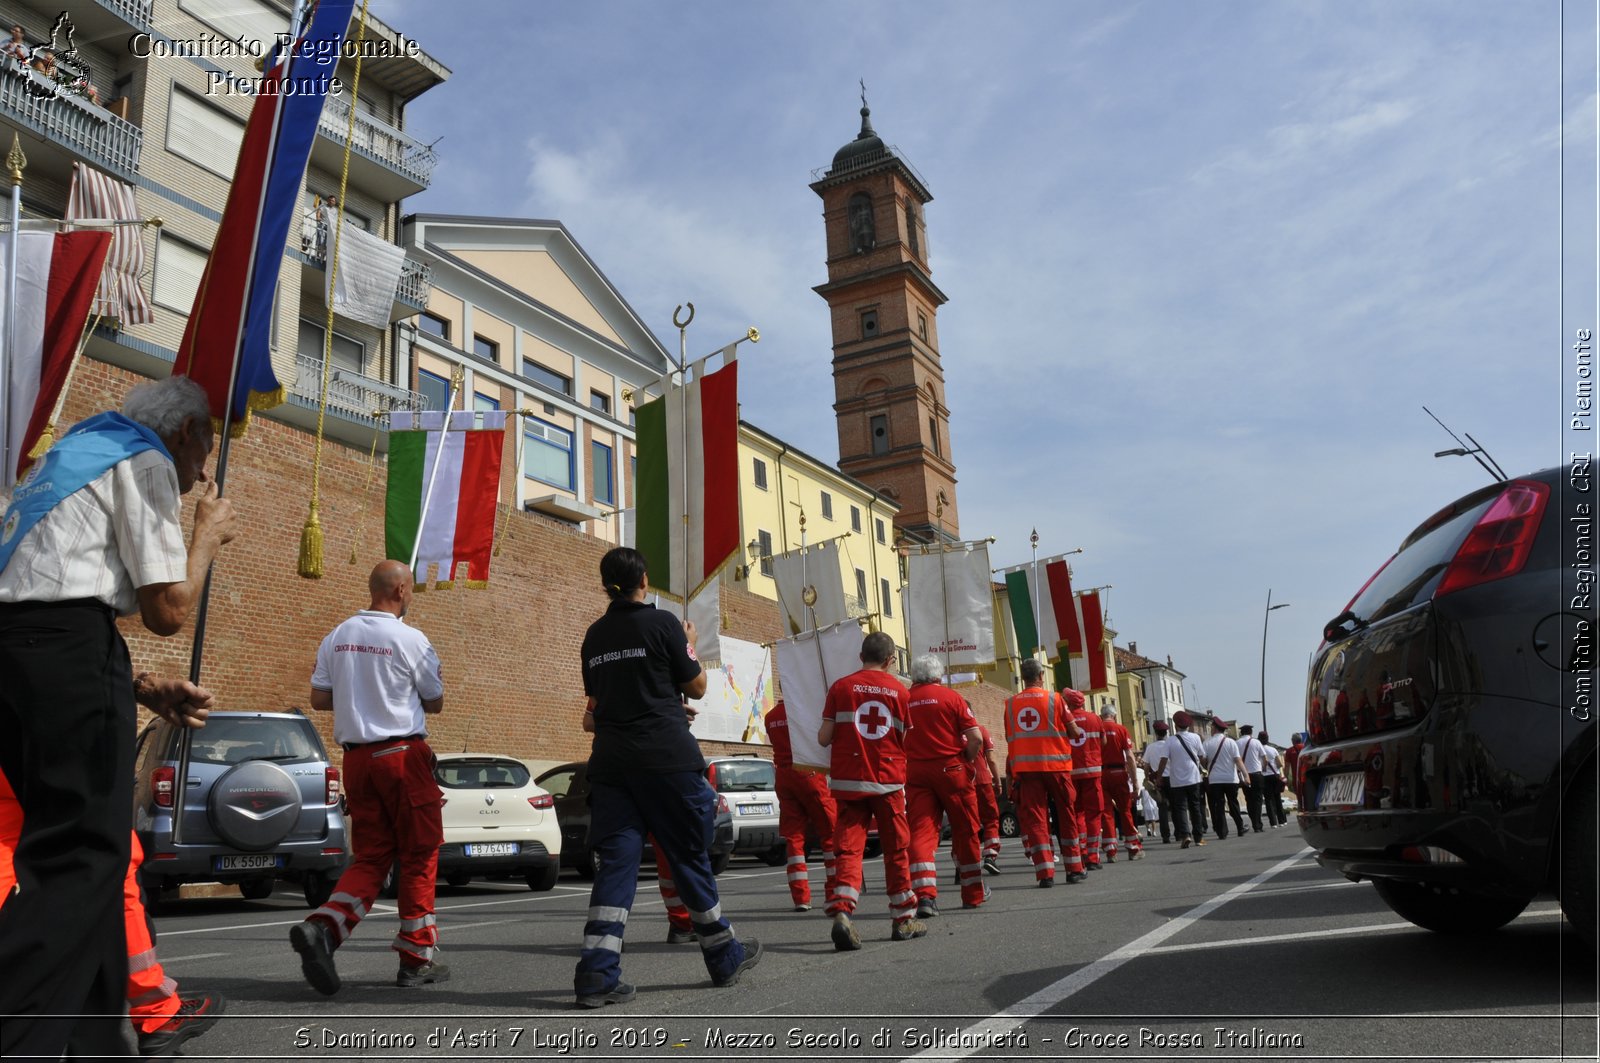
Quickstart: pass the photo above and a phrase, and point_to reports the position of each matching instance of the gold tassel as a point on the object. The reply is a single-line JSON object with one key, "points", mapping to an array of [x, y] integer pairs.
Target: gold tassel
{"points": [[47, 439], [311, 547]]}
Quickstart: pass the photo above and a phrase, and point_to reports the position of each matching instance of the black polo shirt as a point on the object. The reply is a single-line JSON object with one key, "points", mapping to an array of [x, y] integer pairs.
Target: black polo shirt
{"points": [[634, 659]]}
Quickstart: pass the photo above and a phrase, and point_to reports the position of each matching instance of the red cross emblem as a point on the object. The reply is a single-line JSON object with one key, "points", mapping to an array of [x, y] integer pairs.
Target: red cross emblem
{"points": [[1028, 718], [873, 720]]}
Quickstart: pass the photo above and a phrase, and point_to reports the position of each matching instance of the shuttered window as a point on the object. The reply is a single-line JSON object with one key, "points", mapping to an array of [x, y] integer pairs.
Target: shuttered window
{"points": [[203, 134], [250, 19], [178, 270]]}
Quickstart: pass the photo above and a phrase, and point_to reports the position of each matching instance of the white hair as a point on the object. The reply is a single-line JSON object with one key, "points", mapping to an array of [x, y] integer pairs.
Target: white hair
{"points": [[927, 669], [165, 406]]}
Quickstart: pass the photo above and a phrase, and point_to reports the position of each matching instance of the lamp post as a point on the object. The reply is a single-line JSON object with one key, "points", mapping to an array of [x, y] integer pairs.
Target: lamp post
{"points": [[1264, 618]]}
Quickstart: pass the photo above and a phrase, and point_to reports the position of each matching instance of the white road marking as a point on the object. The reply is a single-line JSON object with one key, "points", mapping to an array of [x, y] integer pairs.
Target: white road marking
{"points": [[1351, 931], [168, 961], [1051, 995]]}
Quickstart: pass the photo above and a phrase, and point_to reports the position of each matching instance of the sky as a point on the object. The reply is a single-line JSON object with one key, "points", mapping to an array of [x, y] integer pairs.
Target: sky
{"points": [[1206, 263]]}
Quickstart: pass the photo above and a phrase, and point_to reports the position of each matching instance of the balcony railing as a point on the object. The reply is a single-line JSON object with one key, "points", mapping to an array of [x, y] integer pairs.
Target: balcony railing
{"points": [[416, 278], [380, 141], [86, 129], [135, 12], [351, 391]]}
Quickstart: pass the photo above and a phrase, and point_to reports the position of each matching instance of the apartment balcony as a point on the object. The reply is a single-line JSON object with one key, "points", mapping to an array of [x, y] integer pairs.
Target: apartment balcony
{"points": [[410, 297], [103, 19], [384, 162], [350, 390], [62, 128]]}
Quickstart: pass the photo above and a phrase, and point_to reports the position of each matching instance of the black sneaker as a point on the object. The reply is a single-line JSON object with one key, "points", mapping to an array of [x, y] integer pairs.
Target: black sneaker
{"points": [[991, 865], [621, 993], [195, 1015], [927, 908], [1075, 877], [1046, 883], [428, 973], [681, 937], [1093, 867], [752, 956], [310, 940]]}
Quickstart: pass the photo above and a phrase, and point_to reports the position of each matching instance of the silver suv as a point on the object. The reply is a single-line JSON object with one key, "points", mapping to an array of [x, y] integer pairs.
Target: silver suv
{"points": [[747, 789], [262, 803]]}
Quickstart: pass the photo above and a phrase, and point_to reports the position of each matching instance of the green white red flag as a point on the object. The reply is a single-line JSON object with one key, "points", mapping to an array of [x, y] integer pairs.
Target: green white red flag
{"points": [[687, 492], [452, 522], [1042, 611], [1089, 673]]}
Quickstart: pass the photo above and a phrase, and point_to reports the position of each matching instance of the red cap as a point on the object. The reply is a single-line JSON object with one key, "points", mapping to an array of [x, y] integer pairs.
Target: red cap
{"points": [[1074, 698], [1181, 718]]}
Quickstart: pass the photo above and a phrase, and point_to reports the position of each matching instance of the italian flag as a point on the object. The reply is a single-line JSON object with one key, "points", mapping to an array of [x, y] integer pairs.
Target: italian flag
{"points": [[454, 524], [1090, 676], [687, 492], [1044, 591]]}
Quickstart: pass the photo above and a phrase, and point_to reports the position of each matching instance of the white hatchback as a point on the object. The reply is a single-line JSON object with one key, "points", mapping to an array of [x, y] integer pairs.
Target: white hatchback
{"points": [[496, 821]]}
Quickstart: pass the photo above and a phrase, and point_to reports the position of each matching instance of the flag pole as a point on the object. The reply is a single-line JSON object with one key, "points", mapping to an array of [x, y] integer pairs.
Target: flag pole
{"points": [[16, 162], [1033, 541], [944, 580], [457, 378], [202, 611]]}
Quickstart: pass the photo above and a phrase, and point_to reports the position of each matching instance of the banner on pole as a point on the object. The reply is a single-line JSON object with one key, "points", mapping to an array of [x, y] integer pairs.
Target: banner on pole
{"points": [[807, 666], [738, 695], [818, 568], [948, 605]]}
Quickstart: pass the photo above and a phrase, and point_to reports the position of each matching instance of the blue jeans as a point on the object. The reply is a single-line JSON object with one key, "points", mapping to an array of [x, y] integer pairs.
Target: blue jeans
{"points": [[679, 810]]}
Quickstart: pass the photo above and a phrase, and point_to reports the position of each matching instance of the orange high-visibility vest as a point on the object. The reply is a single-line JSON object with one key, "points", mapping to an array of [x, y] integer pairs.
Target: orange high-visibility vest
{"points": [[1035, 732]]}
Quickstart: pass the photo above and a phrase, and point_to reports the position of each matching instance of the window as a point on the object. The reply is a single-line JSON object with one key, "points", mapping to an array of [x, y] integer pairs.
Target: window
{"points": [[911, 228], [433, 325], [933, 434], [250, 19], [861, 587], [765, 539], [347, 353], [205, 135], [179, 267], [878, 429], [882, 538], [884, 598], [602, 478], [760, 470], [547, 453], [599, 400], [435, 388], [827, 506], [551, 379], [863, 227], [922, 326], [483, 403], [869, 324], [485, 348], [855, 518]]}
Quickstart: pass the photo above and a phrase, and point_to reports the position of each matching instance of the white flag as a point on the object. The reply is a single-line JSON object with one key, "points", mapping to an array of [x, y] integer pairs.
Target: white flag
{"points": [[816, 567], [949, 606], [705, 611], [807, 666]]}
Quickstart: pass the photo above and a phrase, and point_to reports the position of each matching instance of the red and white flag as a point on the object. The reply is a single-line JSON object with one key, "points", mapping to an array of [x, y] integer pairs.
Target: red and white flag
{"points": [[98, 197], [57, 274]]}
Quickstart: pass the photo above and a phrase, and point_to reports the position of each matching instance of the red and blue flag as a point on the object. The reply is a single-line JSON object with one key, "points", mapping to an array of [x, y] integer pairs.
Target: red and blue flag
{"points": [[231, 324]]}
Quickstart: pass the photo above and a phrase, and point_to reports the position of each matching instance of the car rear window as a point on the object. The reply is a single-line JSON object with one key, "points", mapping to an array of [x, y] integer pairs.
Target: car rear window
{"points": [[486, 774], [1413, 573], [235, 739], [734, 776]]}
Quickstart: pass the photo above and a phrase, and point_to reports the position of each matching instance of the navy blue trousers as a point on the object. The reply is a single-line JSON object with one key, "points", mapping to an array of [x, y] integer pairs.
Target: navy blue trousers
{"points": [[679, 809]]}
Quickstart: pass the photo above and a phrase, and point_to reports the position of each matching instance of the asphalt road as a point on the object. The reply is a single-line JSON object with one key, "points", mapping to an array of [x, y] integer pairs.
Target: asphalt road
{"points": [[1242, 949]]}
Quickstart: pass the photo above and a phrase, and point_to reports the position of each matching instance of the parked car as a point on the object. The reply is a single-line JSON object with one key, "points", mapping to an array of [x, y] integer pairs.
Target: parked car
{"points": [[261, 803], [1451, 758], [496, 821], [568, 785], [747, 789]]}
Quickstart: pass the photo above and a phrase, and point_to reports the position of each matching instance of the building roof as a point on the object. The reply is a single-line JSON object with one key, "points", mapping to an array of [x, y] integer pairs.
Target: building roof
{"points": [[1128, 661]]}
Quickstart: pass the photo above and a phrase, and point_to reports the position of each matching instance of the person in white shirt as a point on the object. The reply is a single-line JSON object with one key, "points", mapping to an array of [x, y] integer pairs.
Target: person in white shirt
{"points": [[1179, 765], [1151, 756], [1225, 770], [380, 679], [1272, 780], [1251, 752]]}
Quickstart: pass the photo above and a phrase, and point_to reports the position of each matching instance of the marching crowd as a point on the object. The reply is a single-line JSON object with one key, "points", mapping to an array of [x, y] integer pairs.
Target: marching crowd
{"points": [[93, 533]]}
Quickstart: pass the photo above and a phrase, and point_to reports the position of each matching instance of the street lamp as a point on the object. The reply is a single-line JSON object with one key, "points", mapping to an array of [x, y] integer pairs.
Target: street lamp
{"points": [[1264, 618]]}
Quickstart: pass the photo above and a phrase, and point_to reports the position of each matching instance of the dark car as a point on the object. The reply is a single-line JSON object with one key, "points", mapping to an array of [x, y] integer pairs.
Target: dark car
{"points": [[1451, 758], [568, 784], [262, 803]]}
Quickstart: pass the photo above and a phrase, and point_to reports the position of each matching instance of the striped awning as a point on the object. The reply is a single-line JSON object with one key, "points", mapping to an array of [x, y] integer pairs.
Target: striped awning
{"points": [[96, 196]]}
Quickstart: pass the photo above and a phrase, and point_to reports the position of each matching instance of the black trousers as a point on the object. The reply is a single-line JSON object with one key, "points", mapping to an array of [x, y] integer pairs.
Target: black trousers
{"points": [[66, 748], [1254, 796], [1218, 793], [1186, 805]]}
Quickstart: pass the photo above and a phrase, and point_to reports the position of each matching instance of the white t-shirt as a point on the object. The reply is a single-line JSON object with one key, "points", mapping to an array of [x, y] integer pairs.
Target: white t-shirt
{"points": [[1221, 763], [380, 672], [1250, 750], [1181, 768], [1271, 762]]}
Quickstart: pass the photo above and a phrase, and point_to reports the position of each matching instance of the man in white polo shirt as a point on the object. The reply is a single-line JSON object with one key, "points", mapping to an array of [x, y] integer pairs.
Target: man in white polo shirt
{"points": [[379, 677]]}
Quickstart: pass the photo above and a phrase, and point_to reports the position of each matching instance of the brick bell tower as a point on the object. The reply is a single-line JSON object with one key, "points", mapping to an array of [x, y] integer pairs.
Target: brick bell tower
{"points": [[889, 393]]}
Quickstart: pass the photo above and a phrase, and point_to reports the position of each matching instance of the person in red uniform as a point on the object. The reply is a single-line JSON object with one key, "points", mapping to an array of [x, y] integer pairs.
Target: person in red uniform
{"points": [[1039, 732], [941, 744], [803, 801], [986, 775], [1291, 762], [1086, 778], [864, 724], [1116, 785]]}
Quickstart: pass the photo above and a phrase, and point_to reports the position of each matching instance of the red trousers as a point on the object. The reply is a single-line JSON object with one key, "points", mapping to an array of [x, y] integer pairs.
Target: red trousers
{"points": [[394, 816], [1117, 816], [856, 812], [1035, 792], [988, 819], [677, 911], [805, 800], [152, 996], [935, 789], [1086, 812]]}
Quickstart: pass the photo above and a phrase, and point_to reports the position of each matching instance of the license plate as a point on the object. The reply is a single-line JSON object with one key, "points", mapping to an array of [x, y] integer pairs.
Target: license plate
{"points": [[492, 849], [1346, 789], [248, 862], [755, 810]]}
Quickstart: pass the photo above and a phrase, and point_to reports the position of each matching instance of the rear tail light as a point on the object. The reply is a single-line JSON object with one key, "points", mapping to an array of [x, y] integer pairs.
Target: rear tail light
{"points": [[1499, 544], [722, 804], [542, 801], [161, 785], [333, 786]]}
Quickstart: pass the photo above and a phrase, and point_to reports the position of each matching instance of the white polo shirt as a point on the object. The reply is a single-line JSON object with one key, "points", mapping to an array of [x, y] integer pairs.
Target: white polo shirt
{"points": [[1221, 758], [1271, 763], [1250, 750], [1182, 769], [380, 672]]}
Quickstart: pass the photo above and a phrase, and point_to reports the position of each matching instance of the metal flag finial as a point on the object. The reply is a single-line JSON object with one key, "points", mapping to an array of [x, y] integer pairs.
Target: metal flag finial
{"points": [[16, 161]]}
